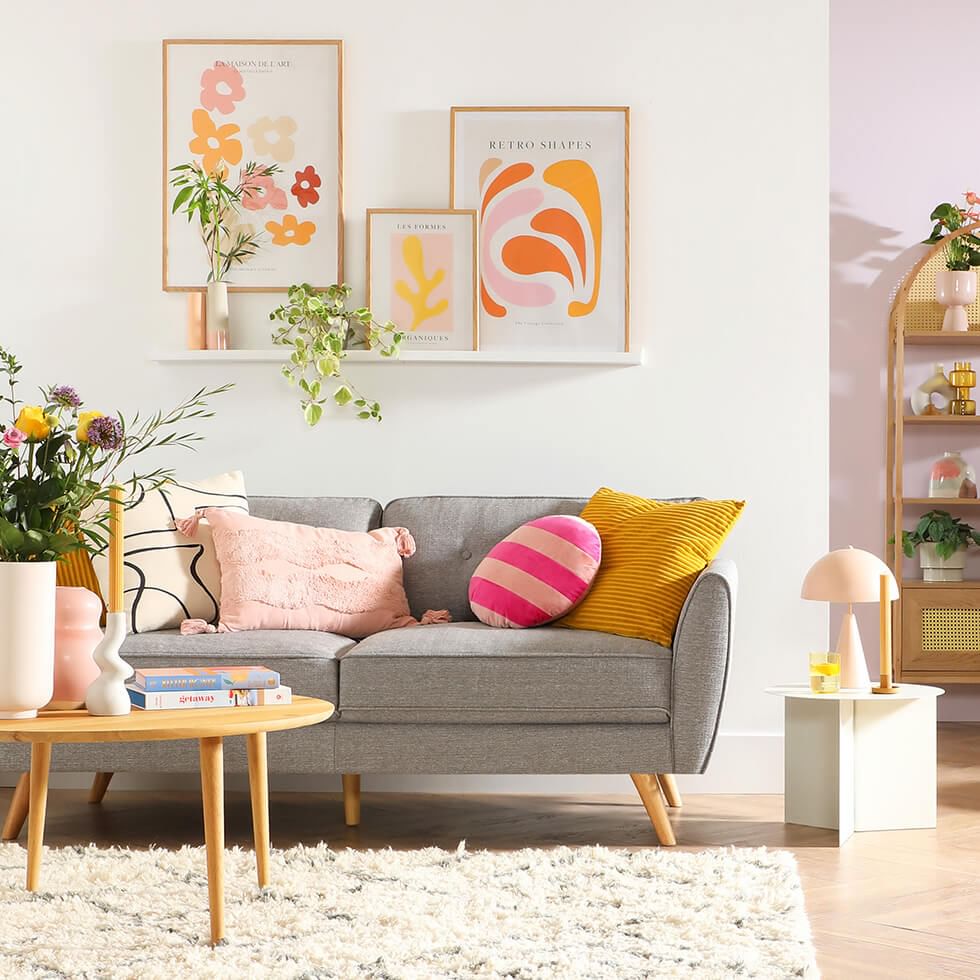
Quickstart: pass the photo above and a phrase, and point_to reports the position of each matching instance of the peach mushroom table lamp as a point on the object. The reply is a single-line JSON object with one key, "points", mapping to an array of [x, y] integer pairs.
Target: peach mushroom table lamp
{"points": [[851, 575]]}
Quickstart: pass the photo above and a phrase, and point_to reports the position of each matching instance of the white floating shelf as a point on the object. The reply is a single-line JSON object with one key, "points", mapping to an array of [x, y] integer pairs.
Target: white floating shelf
{"points": [[278, 355]]}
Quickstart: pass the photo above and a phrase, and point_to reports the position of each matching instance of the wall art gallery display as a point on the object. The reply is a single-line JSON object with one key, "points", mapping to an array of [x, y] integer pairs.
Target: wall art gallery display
{"points": [[421, 273], [551, 190], [277, 104]]}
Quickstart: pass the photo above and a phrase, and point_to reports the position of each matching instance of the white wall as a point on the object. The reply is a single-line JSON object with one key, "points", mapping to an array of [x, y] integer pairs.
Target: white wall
{"points": [[729, 243]]}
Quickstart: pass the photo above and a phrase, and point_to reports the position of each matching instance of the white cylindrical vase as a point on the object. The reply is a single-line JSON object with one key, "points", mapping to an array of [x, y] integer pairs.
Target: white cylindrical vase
{"points": [[936, 569], [27, 604], [216, 316], [956, 291]]}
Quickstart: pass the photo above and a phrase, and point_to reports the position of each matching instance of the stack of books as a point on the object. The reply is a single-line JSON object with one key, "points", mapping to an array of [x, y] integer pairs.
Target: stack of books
{"points": [[156, 688]]}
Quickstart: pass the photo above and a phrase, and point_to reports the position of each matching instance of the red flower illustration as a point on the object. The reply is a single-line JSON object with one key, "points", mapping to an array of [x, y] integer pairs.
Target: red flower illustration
{"points": [[305, 189]]}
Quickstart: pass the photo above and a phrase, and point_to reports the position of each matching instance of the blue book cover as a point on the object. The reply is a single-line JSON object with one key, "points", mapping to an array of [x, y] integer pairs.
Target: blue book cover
{"points": [[205, 678]]}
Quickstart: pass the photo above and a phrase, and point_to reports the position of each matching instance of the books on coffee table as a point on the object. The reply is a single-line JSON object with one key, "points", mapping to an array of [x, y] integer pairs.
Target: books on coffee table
{"points": [[205, 678], [166, 700]]}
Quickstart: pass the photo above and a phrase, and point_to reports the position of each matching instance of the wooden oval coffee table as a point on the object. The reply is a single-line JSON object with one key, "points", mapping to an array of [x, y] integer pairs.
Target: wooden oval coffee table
{"points": [[209, 726]]}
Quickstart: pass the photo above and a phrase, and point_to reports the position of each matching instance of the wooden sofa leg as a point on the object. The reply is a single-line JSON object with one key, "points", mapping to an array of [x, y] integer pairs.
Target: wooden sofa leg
{"points": [[17, 812], [649, 790], [669, 786], [99, 785], [352, 798]]}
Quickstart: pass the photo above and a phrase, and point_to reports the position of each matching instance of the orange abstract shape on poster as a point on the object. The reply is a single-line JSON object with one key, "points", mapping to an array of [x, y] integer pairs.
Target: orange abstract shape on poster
{"points": [[492, 307], [488, 167], [214, 143], [555, 221], [506, 178], [527, 255], [291, 231], [578, 179]]}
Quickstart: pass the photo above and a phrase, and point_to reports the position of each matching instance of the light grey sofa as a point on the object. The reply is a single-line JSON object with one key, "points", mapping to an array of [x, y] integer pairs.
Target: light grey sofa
{"points": [[462, 697]]}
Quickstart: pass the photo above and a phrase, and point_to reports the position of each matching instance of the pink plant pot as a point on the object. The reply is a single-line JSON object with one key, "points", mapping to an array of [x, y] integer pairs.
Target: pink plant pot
{"points": [[76, 635]]}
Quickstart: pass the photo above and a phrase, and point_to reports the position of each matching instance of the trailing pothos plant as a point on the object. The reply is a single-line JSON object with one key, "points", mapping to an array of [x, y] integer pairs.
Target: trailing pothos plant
{"points": [[214, 202], [962, 252], [940, 528], [318, 327]]}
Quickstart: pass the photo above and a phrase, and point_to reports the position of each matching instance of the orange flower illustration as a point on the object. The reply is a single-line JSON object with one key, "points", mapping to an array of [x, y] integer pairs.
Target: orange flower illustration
{"points": [[305, 189], [214, 143], [282, 147], [291, 231], [221, 88]]}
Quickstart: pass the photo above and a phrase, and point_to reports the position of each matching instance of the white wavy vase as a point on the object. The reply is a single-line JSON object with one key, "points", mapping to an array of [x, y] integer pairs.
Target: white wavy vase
{"points": [[107, 694]]}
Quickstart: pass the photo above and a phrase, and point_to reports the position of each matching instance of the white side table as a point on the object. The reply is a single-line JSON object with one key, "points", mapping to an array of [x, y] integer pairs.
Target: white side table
{"points": [[859, 761]]}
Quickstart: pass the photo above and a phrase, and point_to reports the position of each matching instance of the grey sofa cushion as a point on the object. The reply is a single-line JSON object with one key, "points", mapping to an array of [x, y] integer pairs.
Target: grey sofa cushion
{"points": [[452, 536], [343, 513], [306, 660], [468, 673]]}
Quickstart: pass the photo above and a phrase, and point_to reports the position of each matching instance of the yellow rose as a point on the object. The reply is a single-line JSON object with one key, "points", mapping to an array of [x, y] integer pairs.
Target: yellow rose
{"points": [[85, 419], [34, 423]]}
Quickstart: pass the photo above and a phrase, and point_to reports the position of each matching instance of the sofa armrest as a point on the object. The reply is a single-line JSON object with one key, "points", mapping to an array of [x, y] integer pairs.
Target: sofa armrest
{"points": [[702, 652]]}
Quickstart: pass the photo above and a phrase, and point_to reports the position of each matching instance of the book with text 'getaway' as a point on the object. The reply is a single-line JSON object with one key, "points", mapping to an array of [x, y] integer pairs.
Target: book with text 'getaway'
{"points": [[162, 700], [205, 678]]}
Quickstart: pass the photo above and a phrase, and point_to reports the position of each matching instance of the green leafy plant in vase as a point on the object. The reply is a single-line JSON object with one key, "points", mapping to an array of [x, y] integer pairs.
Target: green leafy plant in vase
{"points": [[217, 204], [942, 541], [956, 285], [318, 327]]}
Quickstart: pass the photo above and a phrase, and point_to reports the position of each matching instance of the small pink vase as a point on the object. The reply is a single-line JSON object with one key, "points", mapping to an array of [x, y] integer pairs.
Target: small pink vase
{"points": [[76, 635]]}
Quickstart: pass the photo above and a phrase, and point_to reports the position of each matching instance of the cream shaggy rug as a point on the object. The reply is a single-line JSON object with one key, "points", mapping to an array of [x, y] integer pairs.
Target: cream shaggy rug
{"points": [[582, 912]]}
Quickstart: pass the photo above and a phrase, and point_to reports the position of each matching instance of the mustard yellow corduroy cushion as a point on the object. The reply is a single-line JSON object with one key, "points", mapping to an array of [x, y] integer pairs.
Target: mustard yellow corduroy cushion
{"points": [[651, 554]]}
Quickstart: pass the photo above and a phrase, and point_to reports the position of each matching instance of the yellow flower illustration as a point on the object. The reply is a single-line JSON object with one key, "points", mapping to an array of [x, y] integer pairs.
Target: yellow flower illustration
{"points": [[291, 231], [282, 148], [214, 143], [34, 423], [85, 419]]}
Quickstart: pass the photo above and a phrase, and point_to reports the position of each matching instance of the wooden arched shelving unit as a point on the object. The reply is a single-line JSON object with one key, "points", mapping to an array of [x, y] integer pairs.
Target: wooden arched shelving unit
{"points": [[936, 625]]}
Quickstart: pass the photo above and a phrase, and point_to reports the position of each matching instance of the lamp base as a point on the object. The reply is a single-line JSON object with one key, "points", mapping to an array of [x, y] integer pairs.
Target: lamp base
{"points": [[853, 667]]}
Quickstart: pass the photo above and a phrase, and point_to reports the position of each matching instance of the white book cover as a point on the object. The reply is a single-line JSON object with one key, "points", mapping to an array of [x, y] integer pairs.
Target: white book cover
{"points": [[162, 700]]}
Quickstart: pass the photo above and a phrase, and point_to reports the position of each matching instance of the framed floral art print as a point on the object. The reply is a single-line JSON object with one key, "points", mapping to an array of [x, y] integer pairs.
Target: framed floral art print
{"points": [[277, 103], [551, 190], [421, 273]]}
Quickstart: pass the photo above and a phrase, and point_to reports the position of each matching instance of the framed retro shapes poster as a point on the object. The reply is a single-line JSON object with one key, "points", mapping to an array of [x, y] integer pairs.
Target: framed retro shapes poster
{"points": [[551, 190], [421, 273], [277, 103]]}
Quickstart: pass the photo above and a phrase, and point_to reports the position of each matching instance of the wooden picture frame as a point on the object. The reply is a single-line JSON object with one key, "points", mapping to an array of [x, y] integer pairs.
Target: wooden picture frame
{"points": [[273, 67], [551, 187], [435, 250]]}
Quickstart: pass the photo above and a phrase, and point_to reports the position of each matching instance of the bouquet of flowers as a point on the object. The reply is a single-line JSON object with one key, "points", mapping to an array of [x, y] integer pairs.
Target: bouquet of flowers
{"points": [[58, 462]]}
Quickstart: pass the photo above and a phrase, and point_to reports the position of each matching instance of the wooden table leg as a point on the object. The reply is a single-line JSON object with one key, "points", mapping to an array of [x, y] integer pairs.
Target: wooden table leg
{"points": [[100, 784], [258, 784], [213, 795], [17, 812], [40, 765]]}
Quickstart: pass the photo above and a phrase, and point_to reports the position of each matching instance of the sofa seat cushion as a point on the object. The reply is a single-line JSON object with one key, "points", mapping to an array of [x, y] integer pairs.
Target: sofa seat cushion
{"points": [[307, 661], [467, 673]]}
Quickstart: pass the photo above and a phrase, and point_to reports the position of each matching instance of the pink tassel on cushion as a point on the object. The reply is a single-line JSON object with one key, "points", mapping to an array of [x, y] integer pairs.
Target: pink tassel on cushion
{"points": [[431, 616], [404, 542], [188, 526], [190, 627]]}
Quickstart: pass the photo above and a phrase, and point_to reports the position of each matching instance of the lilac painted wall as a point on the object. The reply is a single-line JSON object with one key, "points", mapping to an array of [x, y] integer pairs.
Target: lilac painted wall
{"points": [[902, 139]]}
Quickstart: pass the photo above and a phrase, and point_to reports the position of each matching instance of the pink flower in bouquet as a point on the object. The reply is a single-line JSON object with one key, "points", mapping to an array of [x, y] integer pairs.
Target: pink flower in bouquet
{"points": [[13, 437]]}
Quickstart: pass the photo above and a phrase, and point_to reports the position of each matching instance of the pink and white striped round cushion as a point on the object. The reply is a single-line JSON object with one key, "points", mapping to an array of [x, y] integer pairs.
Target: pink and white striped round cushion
{"points": [[536, 574]]}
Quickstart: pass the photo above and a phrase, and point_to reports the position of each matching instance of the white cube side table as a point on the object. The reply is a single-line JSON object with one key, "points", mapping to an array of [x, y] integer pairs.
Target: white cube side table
{"points": [[859, 761]]}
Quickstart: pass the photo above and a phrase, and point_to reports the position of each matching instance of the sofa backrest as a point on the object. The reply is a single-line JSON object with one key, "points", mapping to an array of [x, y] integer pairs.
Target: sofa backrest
{"points": [[343, 513], [453, 534]]}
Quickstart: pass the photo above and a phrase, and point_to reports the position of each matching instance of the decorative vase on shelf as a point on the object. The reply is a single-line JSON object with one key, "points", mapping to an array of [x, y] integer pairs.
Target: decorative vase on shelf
{"points": [[216, 315], [936, 569], [952, 477], [938, 385], [27, 616], [76, 635], [956, 291], [197, 318]]}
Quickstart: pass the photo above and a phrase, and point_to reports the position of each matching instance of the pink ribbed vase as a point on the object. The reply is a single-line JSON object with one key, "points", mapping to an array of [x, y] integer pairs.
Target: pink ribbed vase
{"points": [[76, 635]]}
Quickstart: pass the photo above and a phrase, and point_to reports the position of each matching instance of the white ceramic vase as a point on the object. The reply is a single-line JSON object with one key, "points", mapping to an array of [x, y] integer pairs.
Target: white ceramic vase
{"points": [[27, 603], [107, 694], [956, 291], [936, 569], [216, 316]]}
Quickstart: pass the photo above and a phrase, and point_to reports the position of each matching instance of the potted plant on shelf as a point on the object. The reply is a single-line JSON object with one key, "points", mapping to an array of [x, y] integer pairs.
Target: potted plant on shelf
{"points": [[956, 285], [319, 328], [942, 541], [215, 203], [57, 464]]}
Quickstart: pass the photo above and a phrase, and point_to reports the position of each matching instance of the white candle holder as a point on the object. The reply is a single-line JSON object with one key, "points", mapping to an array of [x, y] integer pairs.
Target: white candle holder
{"points": [[107, 694]]}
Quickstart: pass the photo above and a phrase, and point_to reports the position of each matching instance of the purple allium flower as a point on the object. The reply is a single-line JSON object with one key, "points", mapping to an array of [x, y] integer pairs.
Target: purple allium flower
{"points": [[66, 396], [105, 432]]}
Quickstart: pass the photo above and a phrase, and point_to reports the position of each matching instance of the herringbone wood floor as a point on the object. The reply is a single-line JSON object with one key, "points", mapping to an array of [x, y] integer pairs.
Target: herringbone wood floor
{"points": [[903, 904]]}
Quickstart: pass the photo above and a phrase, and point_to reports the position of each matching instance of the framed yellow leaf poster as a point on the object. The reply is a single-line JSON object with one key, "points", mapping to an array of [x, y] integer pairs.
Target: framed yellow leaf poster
{"points": [[421, 274], [551, 191], [279, 106]]}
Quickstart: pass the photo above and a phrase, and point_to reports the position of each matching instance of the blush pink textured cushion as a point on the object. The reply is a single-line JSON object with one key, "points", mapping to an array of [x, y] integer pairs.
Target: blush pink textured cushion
{"points": [[536, 574], [281, 576]]}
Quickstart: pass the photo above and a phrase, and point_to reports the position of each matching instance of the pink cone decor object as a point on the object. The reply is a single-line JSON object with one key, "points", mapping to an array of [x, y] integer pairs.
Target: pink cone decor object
{"points": [[76, 635]]}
